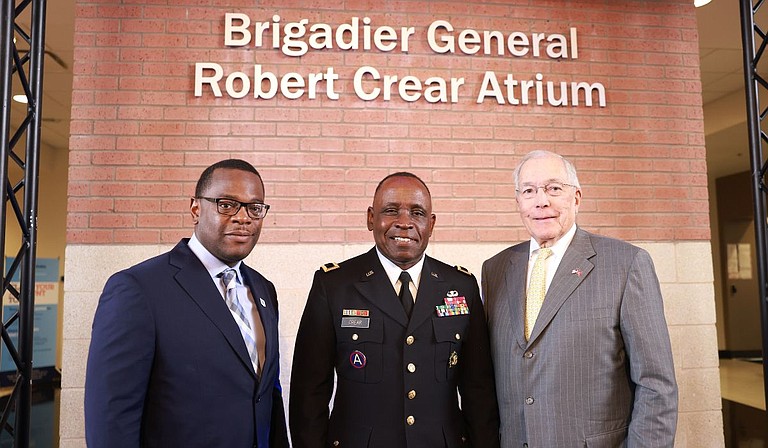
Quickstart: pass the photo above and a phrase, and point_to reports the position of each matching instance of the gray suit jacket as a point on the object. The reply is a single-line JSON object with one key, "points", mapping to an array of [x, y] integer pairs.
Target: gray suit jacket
{"points": [[597, 371]]}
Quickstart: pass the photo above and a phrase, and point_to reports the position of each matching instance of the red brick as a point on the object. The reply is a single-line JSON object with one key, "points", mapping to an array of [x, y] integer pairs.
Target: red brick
{"points": [[77, 189], [321, 235], [89, 236], [173, 236], [114, 158], [160, 221], [184, 143], [180, 174], [89, 205], [137, 174], [140, 113], [78, 173], [141, 205], [139, 142], [94, 112], [77, 220], [112, 220], [343, 190], [131, 236], [168, 128], [113, 189], [159, 189]]}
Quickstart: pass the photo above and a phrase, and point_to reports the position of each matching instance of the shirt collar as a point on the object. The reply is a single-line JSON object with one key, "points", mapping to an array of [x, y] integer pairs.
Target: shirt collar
{"points": [[393, 271], [213, 265], [560, 246]]}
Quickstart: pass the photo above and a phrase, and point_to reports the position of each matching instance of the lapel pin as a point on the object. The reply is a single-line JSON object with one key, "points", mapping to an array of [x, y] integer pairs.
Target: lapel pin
{"points": [[262, 302], [434, 274], [577, 272], [369, 273]]}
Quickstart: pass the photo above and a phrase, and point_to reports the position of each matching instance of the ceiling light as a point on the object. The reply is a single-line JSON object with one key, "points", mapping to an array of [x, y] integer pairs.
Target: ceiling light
{"points": [[20, 99], [700, 3]]}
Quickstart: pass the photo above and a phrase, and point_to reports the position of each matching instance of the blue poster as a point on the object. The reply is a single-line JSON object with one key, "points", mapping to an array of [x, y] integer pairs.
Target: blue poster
{"points": [[45, 324]]}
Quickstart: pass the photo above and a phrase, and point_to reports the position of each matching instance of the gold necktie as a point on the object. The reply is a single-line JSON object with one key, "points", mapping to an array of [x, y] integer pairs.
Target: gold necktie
{"points": [[537, 289]]}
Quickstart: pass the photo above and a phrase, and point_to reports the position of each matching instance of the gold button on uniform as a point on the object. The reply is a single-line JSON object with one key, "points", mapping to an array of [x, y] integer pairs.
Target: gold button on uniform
{"points": [[411, 394], [355, 336], [409, 340], [410, 420], [411, 367]]}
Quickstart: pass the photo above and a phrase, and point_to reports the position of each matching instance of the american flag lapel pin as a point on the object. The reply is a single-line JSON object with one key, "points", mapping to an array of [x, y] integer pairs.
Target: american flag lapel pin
{"points": [[577, 272]]}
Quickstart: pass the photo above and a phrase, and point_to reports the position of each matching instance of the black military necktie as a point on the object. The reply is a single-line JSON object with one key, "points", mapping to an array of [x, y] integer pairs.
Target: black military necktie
{"points": [[405, 293]]}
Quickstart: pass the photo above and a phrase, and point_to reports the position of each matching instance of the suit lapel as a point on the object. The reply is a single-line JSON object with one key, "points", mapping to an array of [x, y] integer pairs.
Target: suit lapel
{"points": [[429, 294], [375, 287], [573, 269], [195, 280], [515, 279]]}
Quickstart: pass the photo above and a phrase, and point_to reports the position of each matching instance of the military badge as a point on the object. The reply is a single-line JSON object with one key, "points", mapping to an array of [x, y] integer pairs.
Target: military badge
{"points": [[357, 359], [463, 270], [453, 360], [454, 305], [328, 267]]}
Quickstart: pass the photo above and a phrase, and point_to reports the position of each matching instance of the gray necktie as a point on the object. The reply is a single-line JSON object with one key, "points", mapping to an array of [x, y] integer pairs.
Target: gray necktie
{"points": [[229, 278]]}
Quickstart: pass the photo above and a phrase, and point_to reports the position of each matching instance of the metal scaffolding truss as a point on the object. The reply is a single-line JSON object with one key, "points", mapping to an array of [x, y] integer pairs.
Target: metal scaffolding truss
{"points": [[756, 88], [22, 42]]}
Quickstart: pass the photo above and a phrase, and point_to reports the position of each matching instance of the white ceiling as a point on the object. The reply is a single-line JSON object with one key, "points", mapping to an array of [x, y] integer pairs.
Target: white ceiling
{"points": [[721, 74]]}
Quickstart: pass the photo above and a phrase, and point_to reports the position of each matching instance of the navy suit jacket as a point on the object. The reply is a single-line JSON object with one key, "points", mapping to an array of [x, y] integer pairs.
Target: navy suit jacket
{"points": [[168, 367]]}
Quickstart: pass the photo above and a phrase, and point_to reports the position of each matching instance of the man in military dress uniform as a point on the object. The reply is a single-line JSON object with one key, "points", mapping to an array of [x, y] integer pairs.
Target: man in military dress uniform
{"points": [[403, 332]]}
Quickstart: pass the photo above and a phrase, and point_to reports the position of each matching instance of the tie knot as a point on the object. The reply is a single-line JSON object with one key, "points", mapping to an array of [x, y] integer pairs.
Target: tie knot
{"points": [[229, 276], [405, 278], [544, 253]]}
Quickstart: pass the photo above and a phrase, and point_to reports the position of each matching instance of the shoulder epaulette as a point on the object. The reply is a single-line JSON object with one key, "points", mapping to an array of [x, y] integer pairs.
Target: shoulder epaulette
{"points": [[328, 267], [463, 269]]}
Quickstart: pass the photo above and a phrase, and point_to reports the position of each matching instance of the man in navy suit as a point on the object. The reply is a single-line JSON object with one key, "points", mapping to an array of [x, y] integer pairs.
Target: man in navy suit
{"points": [[404, 334], [178, 358]]}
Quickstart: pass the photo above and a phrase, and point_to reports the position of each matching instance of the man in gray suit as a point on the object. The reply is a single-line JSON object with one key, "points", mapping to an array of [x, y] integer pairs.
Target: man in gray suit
{"points": [[591, 365]]}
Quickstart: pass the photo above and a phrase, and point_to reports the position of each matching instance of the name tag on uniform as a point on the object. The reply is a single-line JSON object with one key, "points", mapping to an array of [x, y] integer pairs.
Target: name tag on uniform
{"points": [[355, 322]]}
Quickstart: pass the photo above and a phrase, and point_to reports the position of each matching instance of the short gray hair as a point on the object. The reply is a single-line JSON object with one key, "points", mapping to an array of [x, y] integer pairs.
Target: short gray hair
{"points": [[543, 154]]}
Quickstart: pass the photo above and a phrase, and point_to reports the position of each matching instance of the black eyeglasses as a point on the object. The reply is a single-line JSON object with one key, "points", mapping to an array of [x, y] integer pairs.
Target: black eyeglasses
{"points": [[230, 207]]}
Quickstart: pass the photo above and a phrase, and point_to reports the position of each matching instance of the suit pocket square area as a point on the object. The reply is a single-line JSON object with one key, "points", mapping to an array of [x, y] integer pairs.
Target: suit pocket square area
{"points": [[592, 314]]}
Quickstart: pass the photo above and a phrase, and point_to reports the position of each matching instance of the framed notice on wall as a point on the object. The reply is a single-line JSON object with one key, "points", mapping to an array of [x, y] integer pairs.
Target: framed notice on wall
{"points": [[46, 319]]}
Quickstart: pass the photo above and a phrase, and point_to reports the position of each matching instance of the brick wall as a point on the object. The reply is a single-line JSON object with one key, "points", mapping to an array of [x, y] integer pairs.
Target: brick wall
{"points": [[140, 137]]}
